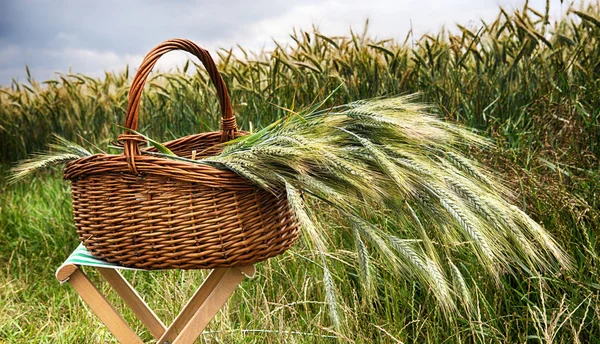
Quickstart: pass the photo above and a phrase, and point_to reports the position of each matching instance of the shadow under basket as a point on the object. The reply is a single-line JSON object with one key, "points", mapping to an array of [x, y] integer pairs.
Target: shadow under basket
{"points": [[151, 212]]}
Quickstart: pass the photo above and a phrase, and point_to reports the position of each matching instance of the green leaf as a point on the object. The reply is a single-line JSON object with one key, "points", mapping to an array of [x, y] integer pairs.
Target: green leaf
{"points": [[159, 146]]}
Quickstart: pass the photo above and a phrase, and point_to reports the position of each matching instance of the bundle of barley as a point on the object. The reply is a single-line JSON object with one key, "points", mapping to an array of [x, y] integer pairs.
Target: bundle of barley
{"points": [[394, 175]]}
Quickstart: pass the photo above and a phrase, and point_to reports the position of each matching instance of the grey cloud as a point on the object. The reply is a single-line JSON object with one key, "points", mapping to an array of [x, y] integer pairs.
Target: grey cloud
{"points": [[125, 25], [54, 35]]}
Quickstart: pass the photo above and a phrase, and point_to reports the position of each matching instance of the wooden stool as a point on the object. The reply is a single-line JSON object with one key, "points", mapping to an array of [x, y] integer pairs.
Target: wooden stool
{"points": [[189, 324]]}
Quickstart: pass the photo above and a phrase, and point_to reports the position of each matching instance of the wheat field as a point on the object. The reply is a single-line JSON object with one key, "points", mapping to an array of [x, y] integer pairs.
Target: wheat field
{"points": [[530, 85]]}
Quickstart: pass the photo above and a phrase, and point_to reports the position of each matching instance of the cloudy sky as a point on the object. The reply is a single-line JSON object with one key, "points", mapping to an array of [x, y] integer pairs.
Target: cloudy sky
{"points": [[92, 36]]}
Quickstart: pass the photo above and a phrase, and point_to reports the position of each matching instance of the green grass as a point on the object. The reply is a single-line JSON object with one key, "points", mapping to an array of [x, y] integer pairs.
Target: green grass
{"points": [[532, 86]]}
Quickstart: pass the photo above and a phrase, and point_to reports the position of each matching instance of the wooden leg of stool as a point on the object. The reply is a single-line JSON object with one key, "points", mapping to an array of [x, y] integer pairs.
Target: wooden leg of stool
{"points": [[204, 305], [134, 301], [103, 309]]}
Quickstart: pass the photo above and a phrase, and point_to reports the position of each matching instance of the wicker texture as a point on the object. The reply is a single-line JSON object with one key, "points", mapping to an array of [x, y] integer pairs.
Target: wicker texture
{"points": [[149, 212]]}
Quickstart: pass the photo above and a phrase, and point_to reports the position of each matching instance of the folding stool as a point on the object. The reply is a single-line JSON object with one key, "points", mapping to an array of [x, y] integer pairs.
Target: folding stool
{"points": [[189, 324]]}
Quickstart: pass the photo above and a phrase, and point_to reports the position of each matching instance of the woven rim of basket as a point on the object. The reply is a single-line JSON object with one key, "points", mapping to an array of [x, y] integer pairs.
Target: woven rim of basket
{"points": [[184, 171]]}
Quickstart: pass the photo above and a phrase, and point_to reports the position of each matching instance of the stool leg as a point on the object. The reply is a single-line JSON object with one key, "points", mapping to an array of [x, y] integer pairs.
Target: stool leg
{"points": [[134, 301], [203, 306], [103, 309]]}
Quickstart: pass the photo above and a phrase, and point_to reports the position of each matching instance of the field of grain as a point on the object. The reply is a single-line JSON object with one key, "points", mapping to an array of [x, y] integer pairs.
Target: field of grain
{"points": [[531, 85]]}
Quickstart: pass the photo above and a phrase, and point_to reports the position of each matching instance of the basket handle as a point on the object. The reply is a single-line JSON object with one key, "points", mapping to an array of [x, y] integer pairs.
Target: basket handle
{"points": [[131, 141]]}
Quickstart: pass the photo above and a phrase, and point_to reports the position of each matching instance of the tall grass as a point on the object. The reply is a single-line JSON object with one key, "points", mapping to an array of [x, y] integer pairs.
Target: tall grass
{"points": [[531, 85]]}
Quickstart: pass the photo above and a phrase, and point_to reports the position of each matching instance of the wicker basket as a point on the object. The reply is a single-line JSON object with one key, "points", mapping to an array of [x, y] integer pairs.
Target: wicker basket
{"points": [[150, 212]]}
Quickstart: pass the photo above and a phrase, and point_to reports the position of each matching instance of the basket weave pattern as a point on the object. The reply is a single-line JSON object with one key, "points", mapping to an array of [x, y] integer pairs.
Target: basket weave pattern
{"points": [[150, 212]]}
